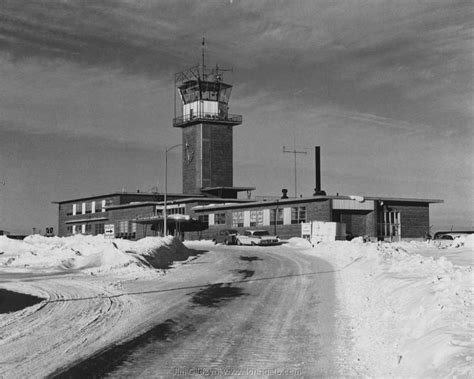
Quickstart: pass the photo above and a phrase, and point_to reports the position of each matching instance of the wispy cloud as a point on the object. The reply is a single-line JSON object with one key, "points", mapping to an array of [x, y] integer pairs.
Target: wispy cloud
{"points": [[373, 81]]}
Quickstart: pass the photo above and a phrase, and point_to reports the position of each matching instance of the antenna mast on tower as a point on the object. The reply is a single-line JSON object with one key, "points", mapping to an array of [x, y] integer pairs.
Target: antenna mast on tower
{"points": [[203, 67], [294, 152]]}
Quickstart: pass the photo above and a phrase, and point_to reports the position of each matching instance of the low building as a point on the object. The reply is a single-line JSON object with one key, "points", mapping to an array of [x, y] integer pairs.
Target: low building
{"points": [[133, 215], [382, 218], [210, 200]]}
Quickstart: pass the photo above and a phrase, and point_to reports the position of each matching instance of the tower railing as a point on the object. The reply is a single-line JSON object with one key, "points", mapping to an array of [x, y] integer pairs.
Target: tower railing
{"points": [[207, 117]]}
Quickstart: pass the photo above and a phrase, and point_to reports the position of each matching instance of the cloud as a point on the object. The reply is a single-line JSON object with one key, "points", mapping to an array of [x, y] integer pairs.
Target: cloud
{"points": [[375, 81], [106, 33]]}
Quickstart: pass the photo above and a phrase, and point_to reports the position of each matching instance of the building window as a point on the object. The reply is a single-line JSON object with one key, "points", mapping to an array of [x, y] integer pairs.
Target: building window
{"points": [[88, 228], [237, 219], [123, 226], [74, 209], [173, 211], [69, 210], [69, 229], [219, 218], [298, 215], [103, 206], [93, 207], [99, 228], [204, 219], [276, 216], [127, 229], [256, 218]]}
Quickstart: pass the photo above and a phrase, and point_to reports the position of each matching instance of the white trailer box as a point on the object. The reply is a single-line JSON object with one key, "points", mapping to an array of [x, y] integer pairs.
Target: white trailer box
{"points": [[321, 231]]}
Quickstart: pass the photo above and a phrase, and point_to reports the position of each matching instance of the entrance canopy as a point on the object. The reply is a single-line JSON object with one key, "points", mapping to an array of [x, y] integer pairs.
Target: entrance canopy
{"points": [[181, 222]]}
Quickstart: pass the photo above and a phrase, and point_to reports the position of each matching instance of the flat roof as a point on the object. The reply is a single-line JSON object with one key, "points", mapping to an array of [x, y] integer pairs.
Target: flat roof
{"points": [[312, 198], [237, 189], [177, 201], [144, 194], [411, 200]]}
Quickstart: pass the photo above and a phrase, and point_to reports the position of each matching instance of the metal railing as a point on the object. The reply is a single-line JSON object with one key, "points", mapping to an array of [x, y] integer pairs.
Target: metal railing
{"points": [[231, 118]]}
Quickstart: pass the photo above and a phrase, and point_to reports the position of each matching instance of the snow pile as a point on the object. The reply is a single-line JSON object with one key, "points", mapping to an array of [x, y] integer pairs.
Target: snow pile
{"points": [[407, 307], [91, 254], [157, 255], [464, 240]]}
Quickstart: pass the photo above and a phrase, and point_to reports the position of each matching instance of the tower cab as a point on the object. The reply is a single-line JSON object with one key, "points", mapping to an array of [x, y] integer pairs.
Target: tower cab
{"points": [[207, 132], [204, 97]]}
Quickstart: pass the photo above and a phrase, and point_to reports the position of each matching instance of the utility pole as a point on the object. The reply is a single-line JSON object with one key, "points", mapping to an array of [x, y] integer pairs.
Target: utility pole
{"points": [[165, 230], [294, 152]]}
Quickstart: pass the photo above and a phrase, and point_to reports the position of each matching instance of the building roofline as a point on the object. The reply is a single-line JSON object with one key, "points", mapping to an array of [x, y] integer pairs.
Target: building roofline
{"points": [[127, 194], [176, 201], [238, 189], [309, 199], [411, 200]]}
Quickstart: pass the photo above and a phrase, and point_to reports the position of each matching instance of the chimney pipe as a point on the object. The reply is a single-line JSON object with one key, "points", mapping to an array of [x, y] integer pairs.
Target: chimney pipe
{"points": [[317, 150], [317, 163]]}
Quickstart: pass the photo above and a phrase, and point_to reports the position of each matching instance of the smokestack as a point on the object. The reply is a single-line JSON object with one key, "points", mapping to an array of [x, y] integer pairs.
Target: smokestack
{"points": [[317, 164], [317, 157]]}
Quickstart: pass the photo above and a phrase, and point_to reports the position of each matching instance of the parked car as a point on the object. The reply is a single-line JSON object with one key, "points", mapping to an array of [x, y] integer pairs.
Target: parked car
{"points": [[451, 235], [257, 237], [226, 236]]}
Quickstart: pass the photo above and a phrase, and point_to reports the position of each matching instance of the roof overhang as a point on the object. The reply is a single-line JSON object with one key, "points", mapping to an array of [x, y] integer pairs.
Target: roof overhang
{"points": [[361, 199], [135, 194], [82, 220]]}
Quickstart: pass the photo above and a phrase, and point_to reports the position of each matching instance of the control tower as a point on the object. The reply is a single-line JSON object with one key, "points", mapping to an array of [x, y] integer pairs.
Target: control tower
{"points": [[203, 115]]}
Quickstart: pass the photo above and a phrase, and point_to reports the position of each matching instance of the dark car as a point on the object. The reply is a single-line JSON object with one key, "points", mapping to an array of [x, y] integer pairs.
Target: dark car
{"points": [[226, 236], [451, 235]]}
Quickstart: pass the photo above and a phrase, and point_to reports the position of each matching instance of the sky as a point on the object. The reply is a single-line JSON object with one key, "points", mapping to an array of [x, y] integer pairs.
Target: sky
{"points": [[384, 87]]}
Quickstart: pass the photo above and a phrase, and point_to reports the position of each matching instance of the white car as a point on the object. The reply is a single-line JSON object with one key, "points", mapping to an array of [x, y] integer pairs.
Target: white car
{"points": [[257, 237]]}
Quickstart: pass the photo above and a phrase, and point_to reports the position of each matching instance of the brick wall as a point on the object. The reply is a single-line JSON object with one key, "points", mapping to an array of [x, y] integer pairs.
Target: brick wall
{"points": [[358, 222], [213, 166], [65, 210], [127, 214], [317, 210], [221, 156], [191, 170], [415, 219]]}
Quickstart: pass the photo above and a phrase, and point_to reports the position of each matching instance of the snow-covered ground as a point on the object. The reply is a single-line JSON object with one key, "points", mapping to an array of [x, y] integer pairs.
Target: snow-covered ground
{"points": [[407, 306], [404, 309], [87, 254], [81, 280]]}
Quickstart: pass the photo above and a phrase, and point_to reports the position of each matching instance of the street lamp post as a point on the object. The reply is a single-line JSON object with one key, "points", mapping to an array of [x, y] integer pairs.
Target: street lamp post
{"points": [[275, 220], [166, 187]]}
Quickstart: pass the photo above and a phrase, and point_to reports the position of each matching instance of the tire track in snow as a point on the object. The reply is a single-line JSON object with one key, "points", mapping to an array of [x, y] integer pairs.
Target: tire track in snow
{"points": [[58, 329]]}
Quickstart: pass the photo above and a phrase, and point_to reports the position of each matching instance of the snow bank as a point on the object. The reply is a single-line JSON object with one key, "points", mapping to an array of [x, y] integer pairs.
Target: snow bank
{"points": [[91, 254], [407, 306]]}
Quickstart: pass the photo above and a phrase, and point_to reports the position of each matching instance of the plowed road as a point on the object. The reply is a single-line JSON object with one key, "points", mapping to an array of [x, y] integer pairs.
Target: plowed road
{"points": [[233, 311]]}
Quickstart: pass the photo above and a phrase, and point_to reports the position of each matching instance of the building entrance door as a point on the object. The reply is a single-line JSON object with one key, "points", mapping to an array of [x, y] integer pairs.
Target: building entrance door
{"points": [[391, 226]]}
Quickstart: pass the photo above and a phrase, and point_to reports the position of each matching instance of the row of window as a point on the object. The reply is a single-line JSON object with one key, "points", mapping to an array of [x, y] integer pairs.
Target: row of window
{"points": [[173, 211], [261, 217], [128, 236], [85, 229], [126, 229], [86, 208]]}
